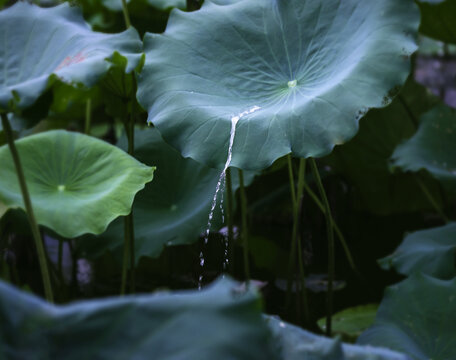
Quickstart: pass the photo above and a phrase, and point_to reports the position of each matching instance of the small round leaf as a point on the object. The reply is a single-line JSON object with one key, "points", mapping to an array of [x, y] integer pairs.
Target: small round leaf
{"points": [[78, 184]]}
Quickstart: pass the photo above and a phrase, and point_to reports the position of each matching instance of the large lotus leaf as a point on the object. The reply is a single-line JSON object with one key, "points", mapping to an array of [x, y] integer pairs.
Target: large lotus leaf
{"points": [[42, 45], [298, 344], [172, 210], [220, 322], [364, 161], [433, 147], [431, 251], [351, 322], [78, 184], [438, 19], [300, 72], [417, 317]]}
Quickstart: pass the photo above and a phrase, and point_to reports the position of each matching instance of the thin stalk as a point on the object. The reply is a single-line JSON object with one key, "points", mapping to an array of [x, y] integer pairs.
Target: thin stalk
{"points": [[88, 116], [295, 243], [126, 14], [431, 199], [291, 260], [244, 230], [229, 219], [29, 209], [337, 230], [126, 256], [60, 260], [301, 181], [129, 234], [331, 252]]}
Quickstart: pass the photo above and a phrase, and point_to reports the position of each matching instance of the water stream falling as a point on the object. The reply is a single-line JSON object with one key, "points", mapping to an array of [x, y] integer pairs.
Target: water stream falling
{"points": [[220, 189]]}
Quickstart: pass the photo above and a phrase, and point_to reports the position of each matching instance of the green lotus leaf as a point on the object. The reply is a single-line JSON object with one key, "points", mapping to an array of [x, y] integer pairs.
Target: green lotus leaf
{"points": [[364, 161], [220, 322], [41, 46], [299, 75], [417, 317], [432, 147], [431, 251], [3, 209], [173, 209], [298, 344], [438, 19], [351, 322], [78, 184]]}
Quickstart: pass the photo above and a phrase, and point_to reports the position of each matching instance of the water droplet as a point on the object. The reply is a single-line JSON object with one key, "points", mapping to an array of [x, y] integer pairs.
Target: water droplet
{"points": [[173, 207]]}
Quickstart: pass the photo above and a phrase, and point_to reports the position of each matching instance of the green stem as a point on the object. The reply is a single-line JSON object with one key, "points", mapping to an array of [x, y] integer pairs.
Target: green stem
{"points": [[229, 219], [337, 230], [291, 260], [126, 14], [301, 181], [126, 256], [295, 243], [129, 243], [29, 209], [331, 252], [244, 225], [88, 116], [431, 199]]}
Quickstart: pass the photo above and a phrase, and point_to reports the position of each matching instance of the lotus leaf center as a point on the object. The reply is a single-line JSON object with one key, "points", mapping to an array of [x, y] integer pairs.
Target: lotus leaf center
{"points": [[292, 83], [61, 188], [173, 207]]}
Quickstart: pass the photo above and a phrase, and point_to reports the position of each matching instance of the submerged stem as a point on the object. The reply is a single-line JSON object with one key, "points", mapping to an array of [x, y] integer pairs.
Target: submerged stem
{"points": [[331, 252], [244, 225], [29, 209]]}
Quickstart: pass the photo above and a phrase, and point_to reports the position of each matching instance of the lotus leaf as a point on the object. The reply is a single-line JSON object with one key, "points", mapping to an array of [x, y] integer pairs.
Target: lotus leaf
{"points": [[116, 5], [299, 74], [417, 317], [78, 184], [298, 344], [364, 161], [350, 323], [431, 251], [219, 322], [432, 147], [42, 45], [173, 209], [438, 19]]}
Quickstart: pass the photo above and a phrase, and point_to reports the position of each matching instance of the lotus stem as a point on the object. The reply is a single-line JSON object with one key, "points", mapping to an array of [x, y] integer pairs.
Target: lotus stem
{"points": [[244, 225], [229, 219], [331, 251], [129, 243], [298, 209], [88, 117], [29, 210], [431, 199], [295, 242], [126, 14], [337, 230]]}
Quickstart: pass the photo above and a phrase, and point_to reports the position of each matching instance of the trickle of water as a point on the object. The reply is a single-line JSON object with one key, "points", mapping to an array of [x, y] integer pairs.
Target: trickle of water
{"points": [[220, 188]]}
